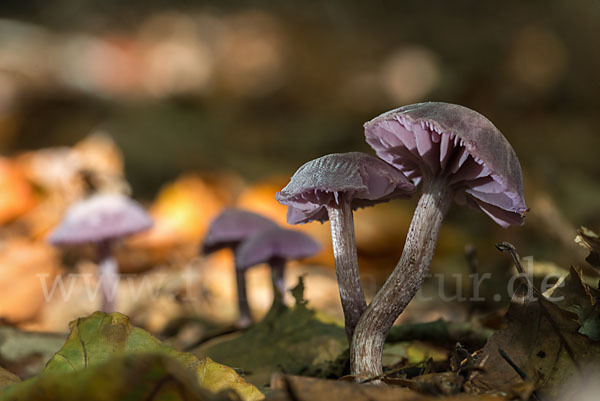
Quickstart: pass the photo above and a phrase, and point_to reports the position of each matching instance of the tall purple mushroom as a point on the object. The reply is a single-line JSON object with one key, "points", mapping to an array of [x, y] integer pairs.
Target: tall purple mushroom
{"points": [[275, 246], [228, 230], [102, 219], [457, 154], [331, 187]]}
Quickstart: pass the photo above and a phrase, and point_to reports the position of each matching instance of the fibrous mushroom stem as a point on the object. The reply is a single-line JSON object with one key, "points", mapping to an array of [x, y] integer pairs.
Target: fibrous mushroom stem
{"points": [[278, 278], [404, 282], [108, 276], [245, 317], [346, 264]]}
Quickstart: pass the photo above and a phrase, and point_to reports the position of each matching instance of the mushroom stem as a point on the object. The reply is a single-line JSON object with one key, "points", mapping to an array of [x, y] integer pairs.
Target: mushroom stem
{"points": [[404, 282], [245, 317], [346, 264], [278, 278], [108, 275]]}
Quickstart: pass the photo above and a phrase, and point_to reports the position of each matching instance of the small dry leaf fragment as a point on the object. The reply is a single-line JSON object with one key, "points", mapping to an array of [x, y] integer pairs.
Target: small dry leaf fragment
{"points": [[216, 377], [589, 240], [7, 378]]}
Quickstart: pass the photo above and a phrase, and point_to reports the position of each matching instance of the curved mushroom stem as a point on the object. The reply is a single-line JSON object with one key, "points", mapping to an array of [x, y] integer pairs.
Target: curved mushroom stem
{"points": [[245, 317], [278, 278], [405, 280], [108, 276], [346, 264]]}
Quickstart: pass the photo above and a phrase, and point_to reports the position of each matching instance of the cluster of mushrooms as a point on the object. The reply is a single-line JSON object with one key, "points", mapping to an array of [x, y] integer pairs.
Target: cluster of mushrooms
{"points": [[454, 152], [254, 240], [104, 218]]}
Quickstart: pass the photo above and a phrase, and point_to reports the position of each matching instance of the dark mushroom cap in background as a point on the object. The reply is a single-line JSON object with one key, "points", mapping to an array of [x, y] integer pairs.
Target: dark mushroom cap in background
{"points": [[274, 243], [233, 226], [363, 179], [435, 139], [100, 217]]}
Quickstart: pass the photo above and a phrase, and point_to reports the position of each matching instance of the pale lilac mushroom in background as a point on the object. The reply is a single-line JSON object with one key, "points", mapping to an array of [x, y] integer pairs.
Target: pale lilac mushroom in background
{"points": [[102, 219], [228, 230], [275, 246], [457, 154], [331, 187]]}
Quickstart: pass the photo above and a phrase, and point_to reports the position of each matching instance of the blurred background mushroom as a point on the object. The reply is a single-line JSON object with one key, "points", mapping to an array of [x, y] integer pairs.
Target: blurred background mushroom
{"points": [[275, 246], [102, 219], [228, 230]]}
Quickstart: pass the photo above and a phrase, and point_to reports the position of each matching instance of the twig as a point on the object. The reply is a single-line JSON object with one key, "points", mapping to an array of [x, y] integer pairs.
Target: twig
{"points": [[512, 364]]}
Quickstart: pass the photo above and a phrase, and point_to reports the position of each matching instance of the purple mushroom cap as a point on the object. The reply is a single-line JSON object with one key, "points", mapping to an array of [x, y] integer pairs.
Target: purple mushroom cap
{"points": [[100, 217], [274, 243], [435, 139], [364, 179], [233, 226]]}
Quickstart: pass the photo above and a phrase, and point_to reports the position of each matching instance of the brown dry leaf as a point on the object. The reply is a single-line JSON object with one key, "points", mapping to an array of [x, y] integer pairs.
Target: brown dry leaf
{"points": [[7, 378], [590, 241], [24, 263], [299, 388], [547, 352], [16, 194]]}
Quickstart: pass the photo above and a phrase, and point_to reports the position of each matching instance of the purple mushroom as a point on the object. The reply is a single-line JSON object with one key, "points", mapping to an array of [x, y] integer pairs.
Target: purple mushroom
{"points": [[102, 219], [331, 187], [228, 230], [275, 246], [457, 154]]}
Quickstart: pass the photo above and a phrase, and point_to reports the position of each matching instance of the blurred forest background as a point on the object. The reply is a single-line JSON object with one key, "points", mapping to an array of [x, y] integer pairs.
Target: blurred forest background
{"points": [[238, 94]]}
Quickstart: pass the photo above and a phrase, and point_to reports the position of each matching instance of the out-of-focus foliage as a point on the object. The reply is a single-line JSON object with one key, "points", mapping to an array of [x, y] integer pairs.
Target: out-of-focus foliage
{"points": [[105, 352]]}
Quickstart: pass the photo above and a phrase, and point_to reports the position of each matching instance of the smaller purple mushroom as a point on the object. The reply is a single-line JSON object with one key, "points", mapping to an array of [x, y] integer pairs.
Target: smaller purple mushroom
{"points": [[102, 219], [331, 187], [275, 246], [228, 230]]}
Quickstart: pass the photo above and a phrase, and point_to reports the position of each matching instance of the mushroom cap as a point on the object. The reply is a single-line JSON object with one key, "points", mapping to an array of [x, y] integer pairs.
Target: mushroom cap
{"points": [[100, 217], [362, 179], [274, 243], [231, 227], [443, 139]]}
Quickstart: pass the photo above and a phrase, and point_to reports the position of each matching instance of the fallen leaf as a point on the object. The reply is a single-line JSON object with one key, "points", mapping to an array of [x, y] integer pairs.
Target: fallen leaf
{"points": [[7, 378], [293, 340], [16, 193], [296, 388], [590, 241], [127, 377], [97, 339], [541, 341], [24, 263], [26, 353]]}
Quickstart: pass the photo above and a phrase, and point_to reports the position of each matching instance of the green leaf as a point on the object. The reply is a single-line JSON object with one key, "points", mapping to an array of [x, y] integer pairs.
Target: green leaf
{"points": [[294, 340], [102, 344]]}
